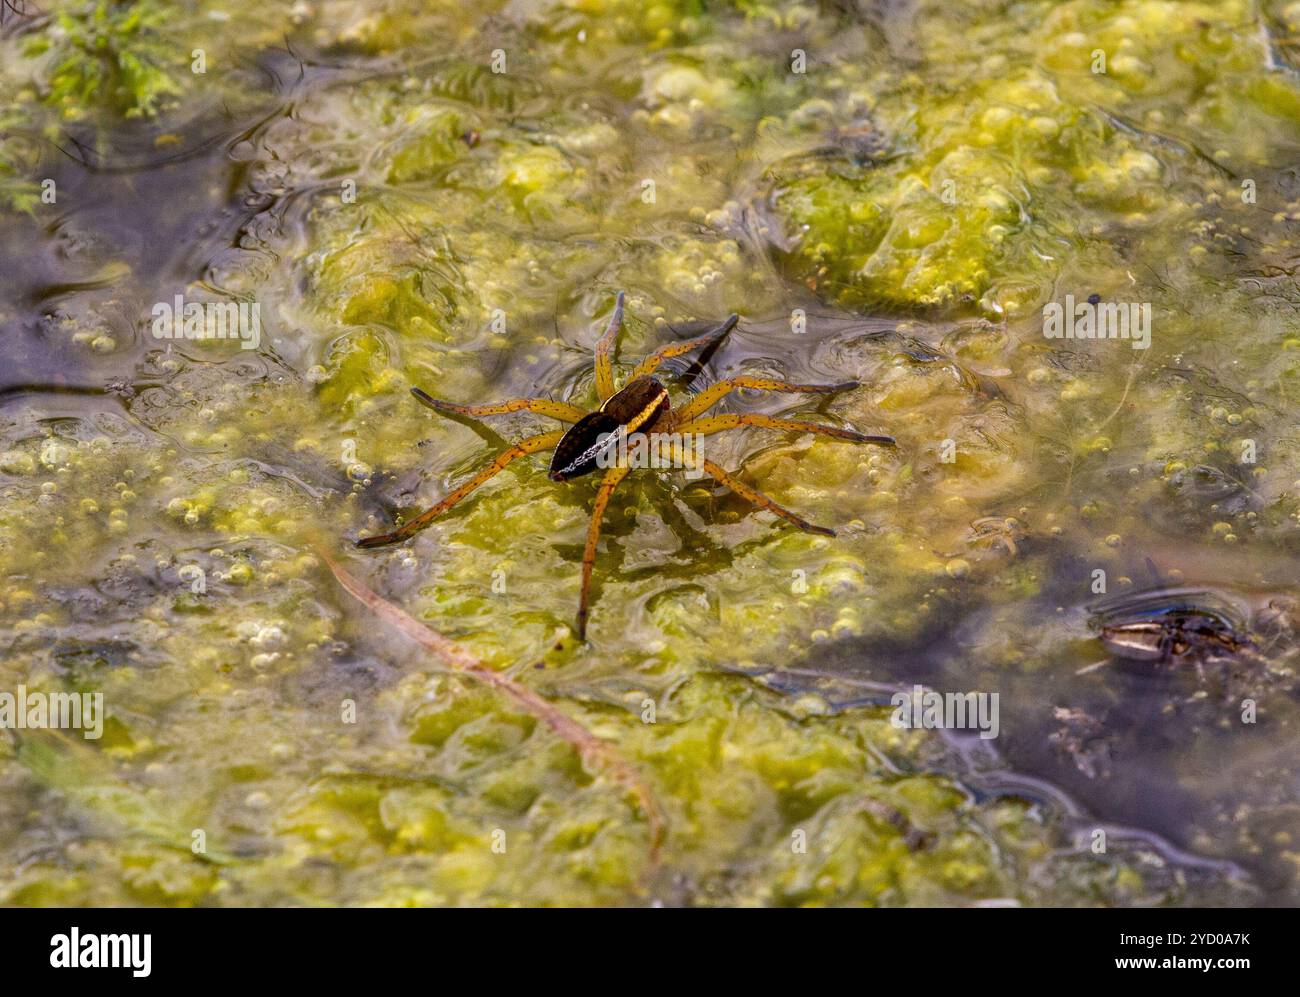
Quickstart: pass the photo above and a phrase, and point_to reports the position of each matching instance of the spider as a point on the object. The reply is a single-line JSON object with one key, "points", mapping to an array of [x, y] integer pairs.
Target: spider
{"points": [[640, 406]]}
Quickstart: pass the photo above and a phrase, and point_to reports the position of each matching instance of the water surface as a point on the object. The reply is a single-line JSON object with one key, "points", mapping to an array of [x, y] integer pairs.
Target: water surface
{"points": [[889, 193]]}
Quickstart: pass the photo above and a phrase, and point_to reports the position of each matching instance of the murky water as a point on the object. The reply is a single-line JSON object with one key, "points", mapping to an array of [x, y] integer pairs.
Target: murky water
{"points": [[417, 194]]}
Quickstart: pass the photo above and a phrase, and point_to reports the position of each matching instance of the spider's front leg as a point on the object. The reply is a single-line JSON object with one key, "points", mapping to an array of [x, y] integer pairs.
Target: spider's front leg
{"points": [[652, 363], [714, 393], [721, 423], [531, 445], [607, 485]]}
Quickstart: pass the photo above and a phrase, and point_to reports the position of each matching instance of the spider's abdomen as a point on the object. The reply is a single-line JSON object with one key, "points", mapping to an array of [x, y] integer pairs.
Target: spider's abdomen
{"points": [[634, 407]]}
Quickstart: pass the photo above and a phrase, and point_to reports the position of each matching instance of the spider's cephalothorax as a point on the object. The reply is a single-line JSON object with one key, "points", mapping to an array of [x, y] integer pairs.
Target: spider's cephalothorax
{"points": [[640, 406]]}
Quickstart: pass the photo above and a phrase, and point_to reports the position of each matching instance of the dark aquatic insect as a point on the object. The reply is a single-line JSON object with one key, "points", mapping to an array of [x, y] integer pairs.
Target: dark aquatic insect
{"points": [[641, 406], [1206, 482], [1169, 626]]}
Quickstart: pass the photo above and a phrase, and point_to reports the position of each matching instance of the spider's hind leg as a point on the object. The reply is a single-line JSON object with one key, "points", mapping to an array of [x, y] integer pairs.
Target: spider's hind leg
{"points": [[762, 501]]}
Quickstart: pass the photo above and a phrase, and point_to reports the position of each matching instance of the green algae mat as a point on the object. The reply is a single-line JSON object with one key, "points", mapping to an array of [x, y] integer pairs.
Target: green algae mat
{"points": [[1051, 247]]}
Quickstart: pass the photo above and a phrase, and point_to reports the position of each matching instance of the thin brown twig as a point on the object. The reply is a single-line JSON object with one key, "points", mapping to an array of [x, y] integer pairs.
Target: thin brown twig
{"points": [[593, 751]]}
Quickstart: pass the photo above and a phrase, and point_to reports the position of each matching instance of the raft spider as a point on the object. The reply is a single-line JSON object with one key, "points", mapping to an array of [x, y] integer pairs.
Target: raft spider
{"points": [[641, 405]]}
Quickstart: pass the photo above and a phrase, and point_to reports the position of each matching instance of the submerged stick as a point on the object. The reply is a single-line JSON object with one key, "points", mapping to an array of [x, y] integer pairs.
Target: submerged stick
{"points": [[590, 748]]}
